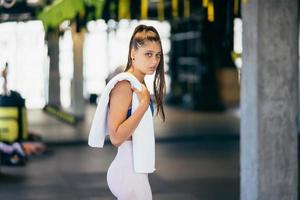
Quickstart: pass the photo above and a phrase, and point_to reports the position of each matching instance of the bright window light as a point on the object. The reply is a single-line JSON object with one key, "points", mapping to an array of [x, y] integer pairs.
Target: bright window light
{"points": [[22, 45]]}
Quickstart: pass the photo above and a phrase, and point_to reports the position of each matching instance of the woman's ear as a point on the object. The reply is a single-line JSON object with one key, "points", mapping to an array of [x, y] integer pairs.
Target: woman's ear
{"points": [[133, 53]]}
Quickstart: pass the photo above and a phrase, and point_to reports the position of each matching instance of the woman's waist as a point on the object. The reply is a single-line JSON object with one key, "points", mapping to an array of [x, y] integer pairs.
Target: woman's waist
{"points": [[125, 147]]}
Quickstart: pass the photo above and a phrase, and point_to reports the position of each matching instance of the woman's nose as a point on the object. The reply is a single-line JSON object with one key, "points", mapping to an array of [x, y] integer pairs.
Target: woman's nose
{"points": [[155, 60]]}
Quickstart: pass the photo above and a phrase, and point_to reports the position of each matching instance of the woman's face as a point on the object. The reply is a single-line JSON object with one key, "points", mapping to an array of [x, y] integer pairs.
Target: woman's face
{"points": [[147, 57]]}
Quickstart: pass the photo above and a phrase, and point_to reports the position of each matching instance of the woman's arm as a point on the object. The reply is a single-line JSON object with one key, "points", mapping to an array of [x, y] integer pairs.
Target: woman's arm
{"points": [[119, 127]]}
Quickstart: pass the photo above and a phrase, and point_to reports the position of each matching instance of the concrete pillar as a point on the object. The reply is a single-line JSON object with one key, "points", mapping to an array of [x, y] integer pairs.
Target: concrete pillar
{"points": [[52, 38], [269, 165], [77, 100]]}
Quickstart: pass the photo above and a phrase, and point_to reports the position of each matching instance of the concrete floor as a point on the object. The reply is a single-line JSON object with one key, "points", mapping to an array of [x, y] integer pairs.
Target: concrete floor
{"points": [[190, 170], [180, 124], [197, 158]]}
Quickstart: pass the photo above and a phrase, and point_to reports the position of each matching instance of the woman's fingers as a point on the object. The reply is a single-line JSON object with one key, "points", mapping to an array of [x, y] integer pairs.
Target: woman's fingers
{"points": [[143, 95], [134, 89]]}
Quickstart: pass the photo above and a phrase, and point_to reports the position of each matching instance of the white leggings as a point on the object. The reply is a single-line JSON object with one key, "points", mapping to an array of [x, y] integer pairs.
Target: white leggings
{"points": [[122, 181]]}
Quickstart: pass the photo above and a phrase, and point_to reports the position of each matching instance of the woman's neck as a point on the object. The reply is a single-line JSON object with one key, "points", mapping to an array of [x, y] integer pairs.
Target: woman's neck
{"points": [[140, 76]]}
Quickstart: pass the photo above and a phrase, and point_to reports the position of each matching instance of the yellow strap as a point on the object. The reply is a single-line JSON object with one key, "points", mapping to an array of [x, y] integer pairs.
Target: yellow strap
{"points": [[236, 7], [211, 12], [175, 8], [186, 5], [205, 3], [144, 9], [124, 9], [160, 10]]}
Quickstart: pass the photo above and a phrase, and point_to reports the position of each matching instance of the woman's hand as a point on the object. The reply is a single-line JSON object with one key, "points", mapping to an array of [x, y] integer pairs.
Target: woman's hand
{"points": [[143, 95], [120, 126]]}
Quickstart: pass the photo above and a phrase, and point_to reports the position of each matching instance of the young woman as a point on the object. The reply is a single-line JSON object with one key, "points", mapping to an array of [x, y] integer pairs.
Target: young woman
{"points": [[145, 58]]}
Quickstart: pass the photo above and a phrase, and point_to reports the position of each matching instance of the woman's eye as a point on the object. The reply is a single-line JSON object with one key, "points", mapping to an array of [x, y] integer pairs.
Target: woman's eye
{"points": [[149, 54], [158, 55]]}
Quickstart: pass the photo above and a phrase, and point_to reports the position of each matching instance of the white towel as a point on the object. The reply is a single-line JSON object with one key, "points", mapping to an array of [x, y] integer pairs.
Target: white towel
{"points": [[143, 137]]}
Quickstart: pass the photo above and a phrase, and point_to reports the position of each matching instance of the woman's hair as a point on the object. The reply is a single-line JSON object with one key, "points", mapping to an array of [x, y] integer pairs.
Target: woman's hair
{"points": [[142, 34]]}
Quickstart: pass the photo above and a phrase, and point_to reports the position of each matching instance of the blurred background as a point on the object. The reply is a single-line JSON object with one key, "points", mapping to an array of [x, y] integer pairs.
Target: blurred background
{"points": [[56, 57]]}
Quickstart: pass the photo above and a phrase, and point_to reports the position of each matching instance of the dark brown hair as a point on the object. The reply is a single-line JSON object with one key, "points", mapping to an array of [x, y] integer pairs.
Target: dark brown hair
{"points": [[142, 34]]}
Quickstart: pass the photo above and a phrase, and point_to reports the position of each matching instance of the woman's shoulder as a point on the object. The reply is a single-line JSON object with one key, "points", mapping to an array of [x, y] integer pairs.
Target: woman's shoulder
{"points": [[124, 84], [122, 88]]}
